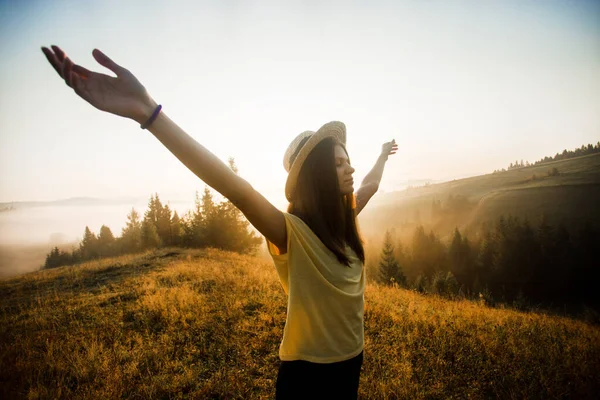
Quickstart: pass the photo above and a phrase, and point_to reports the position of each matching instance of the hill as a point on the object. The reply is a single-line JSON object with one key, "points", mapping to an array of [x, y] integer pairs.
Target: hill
{"points": [[180, 323], [571, 197]]}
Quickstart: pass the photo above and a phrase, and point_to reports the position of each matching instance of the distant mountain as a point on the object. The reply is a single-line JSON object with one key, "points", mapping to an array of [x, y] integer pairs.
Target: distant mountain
{"points": [[74, 201]]}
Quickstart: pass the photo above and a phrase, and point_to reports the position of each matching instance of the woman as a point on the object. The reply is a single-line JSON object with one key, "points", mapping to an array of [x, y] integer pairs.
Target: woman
{"points": [[315, 245]]}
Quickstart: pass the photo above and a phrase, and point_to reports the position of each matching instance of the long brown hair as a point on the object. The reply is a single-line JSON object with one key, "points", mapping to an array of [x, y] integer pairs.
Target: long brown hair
{"points": [[318, 201]]}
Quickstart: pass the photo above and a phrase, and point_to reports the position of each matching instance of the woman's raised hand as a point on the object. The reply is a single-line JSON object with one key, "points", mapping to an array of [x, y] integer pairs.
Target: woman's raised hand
{"points": [[123, 95], [389, 148]]}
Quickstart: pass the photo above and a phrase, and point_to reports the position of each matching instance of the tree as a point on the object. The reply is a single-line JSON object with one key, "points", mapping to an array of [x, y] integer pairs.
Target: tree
{"points": [[401, 254], [89, 245], [485, 261], [438, 253], [190, 235], [426, 252], [455, 253], [176, 230], [150, 238], [192, 225], [159, 216], [438, 283], [461, 259], [57, 258], [154, 208], [390, 271], [106, 242], [233, 231], [163, 223], [451, 285], [210, 221], [131, 235]]}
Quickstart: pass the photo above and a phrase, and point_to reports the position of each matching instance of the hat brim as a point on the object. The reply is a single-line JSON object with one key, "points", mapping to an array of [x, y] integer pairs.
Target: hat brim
{"points": [[335, 129]]}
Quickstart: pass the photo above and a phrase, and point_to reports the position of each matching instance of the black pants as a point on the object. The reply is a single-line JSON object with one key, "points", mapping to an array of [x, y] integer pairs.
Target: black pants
{"points": [[307, 380]]}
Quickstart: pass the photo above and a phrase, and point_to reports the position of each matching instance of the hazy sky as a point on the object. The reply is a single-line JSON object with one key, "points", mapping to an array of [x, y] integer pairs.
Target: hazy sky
{"points": [[465, 87]]}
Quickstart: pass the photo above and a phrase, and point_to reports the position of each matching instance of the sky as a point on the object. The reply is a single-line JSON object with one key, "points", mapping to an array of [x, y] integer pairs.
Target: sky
{"points": [[464, 87]]}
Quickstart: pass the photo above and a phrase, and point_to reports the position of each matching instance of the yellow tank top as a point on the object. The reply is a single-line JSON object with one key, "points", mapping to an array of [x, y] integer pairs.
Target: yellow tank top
{"points": [[325, 311]]}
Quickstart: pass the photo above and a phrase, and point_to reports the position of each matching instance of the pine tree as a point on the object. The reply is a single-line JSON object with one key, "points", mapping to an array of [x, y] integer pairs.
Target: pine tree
{"points": [[106, 242], [189, 236], [469, 263], [451, 285], [163, 223], [131, 235], [233, 228], [485, 261], [210, 224], [390, 271], [193, 225], [52, 259], [150, 238], [455, 252], [438, 283], [421, 252], [438, 257], [57, 258], [176, 230], [89, 245], [151, 214], [401, 254]]}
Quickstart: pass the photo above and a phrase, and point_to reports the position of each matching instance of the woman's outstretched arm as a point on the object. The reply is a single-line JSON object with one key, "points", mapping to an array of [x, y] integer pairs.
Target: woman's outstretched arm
{"points": [[124, 95], [267, 219], [370, 183]]}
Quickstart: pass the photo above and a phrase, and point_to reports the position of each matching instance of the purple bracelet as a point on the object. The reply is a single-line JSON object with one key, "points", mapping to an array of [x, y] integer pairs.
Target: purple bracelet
{"points": [[152, 117]]}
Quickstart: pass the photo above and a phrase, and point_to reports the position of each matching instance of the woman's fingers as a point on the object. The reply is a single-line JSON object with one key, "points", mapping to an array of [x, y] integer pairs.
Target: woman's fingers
{"points": [[391, 147], [51, 57], [60, 55], [105, 61], [64, 67], [66, 71]]}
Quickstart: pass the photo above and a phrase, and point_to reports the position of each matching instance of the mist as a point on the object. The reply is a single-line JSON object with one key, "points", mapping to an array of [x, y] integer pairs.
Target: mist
{"points": [[28, 234]]}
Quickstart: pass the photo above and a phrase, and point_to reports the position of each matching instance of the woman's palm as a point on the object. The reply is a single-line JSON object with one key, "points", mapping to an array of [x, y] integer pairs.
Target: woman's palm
{"points": [[122, 95], [115, 95]]}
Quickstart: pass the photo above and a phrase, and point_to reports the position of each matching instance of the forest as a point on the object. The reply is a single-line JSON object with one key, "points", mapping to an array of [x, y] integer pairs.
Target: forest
{"points": [[508, 261], [209, 224], [581, 151]]}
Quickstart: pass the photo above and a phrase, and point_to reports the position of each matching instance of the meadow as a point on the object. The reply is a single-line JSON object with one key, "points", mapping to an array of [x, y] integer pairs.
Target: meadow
{"points": [[205, 323]]}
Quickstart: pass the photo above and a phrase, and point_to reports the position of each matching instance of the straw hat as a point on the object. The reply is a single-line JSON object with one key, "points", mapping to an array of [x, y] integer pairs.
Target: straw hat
{"points": [[302, 145]]}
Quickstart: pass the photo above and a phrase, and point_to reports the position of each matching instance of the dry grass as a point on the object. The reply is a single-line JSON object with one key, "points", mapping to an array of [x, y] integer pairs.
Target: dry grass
{"points": [[207, 324]]}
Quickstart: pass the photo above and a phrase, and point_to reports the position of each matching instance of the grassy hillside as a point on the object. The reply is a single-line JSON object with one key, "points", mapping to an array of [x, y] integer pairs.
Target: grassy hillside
{"points": [[570, 197], [207, 324]]}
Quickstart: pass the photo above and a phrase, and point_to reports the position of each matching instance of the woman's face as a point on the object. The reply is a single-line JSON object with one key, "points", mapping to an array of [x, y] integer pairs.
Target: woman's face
{"points": [[344, 170]]}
